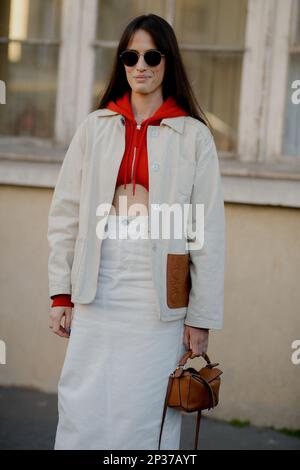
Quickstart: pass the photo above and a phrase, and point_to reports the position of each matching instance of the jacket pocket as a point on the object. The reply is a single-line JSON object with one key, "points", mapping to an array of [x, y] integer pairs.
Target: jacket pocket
{"points": [[178, 280], [78, 251]]}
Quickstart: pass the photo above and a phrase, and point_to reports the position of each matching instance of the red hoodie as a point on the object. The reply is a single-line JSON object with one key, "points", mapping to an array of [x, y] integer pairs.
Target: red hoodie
{"points": [[136, 137], [135, 144]]}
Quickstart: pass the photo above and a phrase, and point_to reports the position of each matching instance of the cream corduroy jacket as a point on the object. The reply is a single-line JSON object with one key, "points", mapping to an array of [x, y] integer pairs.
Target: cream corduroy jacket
{"points": [[183, 169]]}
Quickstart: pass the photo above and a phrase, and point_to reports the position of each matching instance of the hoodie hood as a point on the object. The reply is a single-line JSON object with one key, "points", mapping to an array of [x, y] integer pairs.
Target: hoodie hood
{"points": [[136, 137]]}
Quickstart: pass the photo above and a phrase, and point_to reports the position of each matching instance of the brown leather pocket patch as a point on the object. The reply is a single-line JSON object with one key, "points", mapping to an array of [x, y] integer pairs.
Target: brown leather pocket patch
{"points": [[178, 280]]}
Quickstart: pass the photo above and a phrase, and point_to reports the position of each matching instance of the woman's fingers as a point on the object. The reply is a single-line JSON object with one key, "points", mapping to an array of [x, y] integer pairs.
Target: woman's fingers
{"points": [[196, 339], [62, 332], [57, 328], [186, 340], [56, 315]]}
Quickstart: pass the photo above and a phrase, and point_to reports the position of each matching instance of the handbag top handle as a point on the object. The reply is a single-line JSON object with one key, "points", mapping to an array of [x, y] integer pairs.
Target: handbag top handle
{"points": [[186, 356]]}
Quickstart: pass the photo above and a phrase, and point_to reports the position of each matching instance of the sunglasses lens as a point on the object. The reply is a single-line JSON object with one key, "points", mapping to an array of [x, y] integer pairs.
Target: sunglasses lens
{"points": [[129, 58], [152, 58]]}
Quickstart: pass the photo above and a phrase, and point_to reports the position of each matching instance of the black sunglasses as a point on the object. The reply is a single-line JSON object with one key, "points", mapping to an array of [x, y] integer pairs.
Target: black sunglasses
{"points": [[152, 57]]}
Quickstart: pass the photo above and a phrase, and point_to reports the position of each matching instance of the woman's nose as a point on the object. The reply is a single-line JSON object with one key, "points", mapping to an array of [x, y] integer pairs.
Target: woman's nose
{"points": [[141, 64]]}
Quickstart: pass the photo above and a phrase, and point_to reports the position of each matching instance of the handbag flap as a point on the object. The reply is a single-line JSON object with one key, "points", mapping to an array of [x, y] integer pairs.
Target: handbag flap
{"points": [[210, 374]]}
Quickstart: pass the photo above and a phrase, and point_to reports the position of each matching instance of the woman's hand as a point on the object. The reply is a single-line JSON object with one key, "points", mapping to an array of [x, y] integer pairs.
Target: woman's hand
{"points": [[195, 339], [56, 314]]}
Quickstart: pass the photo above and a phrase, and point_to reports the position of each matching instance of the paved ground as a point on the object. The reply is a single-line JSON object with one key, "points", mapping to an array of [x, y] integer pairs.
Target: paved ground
{"points": [[28, 421]]}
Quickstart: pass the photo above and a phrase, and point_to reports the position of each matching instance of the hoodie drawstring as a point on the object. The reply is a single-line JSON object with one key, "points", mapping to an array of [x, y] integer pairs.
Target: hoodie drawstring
{"points": [[139, 147], [128, 124]]}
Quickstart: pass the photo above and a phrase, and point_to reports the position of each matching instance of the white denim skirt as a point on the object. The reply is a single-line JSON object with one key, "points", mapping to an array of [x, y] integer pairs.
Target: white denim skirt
{"points": [[119, 355]]}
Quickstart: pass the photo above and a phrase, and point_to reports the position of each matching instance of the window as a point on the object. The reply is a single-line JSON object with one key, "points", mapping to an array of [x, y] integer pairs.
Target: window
{"points": [[29, 47], [211, 39], [241, 57], [56, 56], [291, 135]]}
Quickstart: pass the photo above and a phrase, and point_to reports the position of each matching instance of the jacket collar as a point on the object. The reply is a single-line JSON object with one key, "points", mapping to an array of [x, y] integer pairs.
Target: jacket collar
{"points": [[176, 123]]}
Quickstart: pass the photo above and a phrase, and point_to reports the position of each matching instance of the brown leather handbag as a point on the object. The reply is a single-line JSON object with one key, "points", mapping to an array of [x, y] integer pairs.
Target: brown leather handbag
{"points": [[191, 390]]}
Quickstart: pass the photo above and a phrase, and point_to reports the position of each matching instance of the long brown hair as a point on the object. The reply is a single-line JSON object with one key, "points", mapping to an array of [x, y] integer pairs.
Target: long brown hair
{"points": [[175, 82]]}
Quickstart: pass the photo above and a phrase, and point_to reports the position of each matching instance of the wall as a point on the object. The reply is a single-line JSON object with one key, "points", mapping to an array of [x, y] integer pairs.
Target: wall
{"points": [[262, 303]]}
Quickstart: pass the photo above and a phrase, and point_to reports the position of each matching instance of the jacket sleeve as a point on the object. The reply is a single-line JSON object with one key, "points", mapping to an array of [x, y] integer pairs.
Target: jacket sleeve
{"points": [[64, 215], [207, 259]]}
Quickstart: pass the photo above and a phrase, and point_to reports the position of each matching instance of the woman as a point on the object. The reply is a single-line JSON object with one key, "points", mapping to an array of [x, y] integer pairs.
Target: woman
{"points": [[129, 327]]}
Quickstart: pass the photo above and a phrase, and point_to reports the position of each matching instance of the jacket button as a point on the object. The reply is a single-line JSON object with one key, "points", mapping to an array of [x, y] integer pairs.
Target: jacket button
{"points": [[155, 166], [154, 132]]}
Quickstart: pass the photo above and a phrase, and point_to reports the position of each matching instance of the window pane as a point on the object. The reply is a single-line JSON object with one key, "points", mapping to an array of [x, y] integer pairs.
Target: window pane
{"points": [[114, 15], [104, 60], [296, 18], [29, 70], [31, 85], [211, 22], [291, 134], [23, 19], [215, 76], [216, 81]]}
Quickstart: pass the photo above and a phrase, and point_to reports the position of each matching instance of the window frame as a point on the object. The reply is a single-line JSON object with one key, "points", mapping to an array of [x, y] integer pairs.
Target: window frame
{"points": [[278, 72], [19, 141]]}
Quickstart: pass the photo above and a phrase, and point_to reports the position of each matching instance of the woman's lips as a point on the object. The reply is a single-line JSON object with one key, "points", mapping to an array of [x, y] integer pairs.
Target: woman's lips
{"points": [[141, 78]]}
